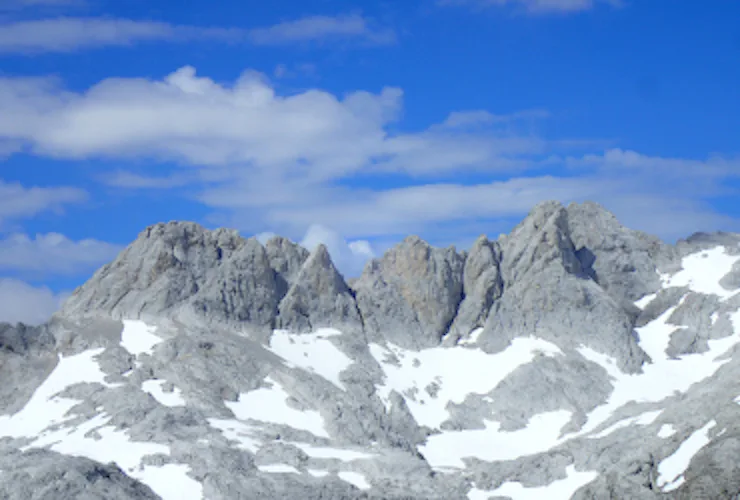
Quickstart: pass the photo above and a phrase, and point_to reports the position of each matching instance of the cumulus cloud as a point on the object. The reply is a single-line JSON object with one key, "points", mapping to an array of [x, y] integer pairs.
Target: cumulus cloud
{"points": [[265, 161], [316, 28], [23, 303], [17, 201], [53, 253], [66, 34]]}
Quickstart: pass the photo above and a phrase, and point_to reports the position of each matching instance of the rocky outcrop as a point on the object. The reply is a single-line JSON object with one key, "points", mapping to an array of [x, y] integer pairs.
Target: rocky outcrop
{"points": [[410, 296], [622, 261], [482, 285], [44, 475], [550, 294], [319, 297], [286, 258], [181, 269]]}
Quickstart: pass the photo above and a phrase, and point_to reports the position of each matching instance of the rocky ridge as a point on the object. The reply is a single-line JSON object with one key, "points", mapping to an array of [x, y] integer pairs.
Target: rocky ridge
{"points": [[229, 319]]}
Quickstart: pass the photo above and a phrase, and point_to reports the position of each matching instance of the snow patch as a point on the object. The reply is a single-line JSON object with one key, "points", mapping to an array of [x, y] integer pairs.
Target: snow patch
{"points": [[490, 444], [46, 408], [318, 472], [655, 337], [154, 387], [644, 419], [672, 468], [354, 478], [453, 372], [666, 431], [647, 299], [269, 404], [138, 337], [96, 440], [337, 453], [562, 489], [473, 338], [233, 430], [278, 469], [702, 272], [171, 482], [312, 352], [663, 377]]}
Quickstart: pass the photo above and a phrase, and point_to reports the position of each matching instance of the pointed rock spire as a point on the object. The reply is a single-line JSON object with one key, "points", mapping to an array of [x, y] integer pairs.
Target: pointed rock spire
{"points": [[482, 285], [319, 297]]}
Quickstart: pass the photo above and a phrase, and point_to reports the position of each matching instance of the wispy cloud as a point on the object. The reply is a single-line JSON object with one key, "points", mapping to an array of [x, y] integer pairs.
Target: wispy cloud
{"points": [[537, 6], [130, 180], [16, 5], [319, 28], [53, 253], [17, 201], [67, 34]]}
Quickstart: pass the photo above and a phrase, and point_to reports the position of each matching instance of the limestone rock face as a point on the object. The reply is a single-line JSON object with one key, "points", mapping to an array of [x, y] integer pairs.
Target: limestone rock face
{"points": [[622, 261], [286, 258], [181, 269], [549, 293], [410, 296], [482, 286], [319, 298]]}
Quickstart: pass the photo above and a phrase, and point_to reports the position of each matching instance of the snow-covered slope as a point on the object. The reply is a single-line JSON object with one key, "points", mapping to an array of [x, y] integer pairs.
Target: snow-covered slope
{"points": [[573, 358]]}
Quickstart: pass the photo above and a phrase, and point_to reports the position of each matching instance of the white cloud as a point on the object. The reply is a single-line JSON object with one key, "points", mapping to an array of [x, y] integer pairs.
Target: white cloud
{"points": [[53, 253], [17, 201], [312, 135], [16, 5], [267, 161], [66, 34], [350, 258], [21, 302], [538, 6], [130, 180], [318, 28]]}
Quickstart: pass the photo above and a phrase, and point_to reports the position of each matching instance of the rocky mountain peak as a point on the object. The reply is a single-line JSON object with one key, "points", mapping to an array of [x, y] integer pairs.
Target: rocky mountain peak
{"points": [[319, 297], [526, 362]]}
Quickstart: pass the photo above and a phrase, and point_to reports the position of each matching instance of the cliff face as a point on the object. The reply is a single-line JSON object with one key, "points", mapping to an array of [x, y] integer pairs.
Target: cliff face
{"points": [[572, 355]]}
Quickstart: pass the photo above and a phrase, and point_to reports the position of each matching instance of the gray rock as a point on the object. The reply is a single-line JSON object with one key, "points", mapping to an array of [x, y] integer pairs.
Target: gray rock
{"points": [[319, 298], [714, 471], [731, 281], [286, 258], [623, 261], [180, 270], [551, 383], [664, 300], [705, 241], [548, 294], [45, 475], [410, 296], [27, 356], [482, 285]]}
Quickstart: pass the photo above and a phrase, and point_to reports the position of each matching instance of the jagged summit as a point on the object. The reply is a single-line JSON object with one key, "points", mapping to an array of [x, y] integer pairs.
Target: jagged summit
{"points": [[571, 358], [415, 295]]}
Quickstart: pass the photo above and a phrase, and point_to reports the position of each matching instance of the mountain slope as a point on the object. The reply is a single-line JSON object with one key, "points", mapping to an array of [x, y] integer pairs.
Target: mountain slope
{"points": [[572, 358]]}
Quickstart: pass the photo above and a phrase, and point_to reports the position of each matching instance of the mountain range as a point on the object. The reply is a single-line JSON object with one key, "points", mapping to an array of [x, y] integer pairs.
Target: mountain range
{"points": [[572, 358]]}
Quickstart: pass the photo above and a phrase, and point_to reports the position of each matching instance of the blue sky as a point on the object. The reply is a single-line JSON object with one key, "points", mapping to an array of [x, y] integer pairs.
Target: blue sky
{"points": [[353, 124]]}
